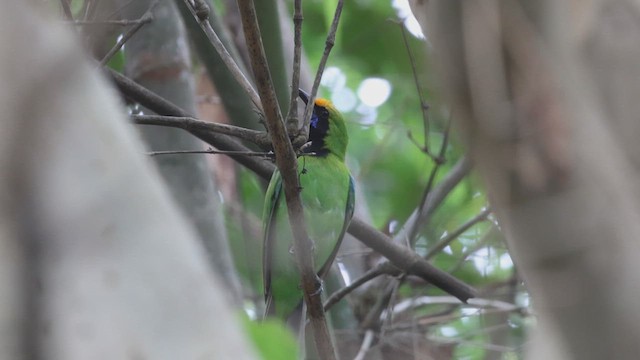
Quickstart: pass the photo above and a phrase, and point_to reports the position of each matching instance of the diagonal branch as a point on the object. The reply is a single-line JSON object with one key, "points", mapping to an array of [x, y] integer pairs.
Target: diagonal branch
{"points": [[145, 19], [190, 124], [383, 268], [159, 105], [435, 198], [212, 152], [292, 117], [409, 261], [331, 39], [454, 235], [288, 166], [200, 12], [66, 9], [439, 160]]}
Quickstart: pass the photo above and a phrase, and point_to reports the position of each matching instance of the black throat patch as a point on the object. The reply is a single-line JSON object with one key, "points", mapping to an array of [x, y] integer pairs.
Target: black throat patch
{"points": [[318, 129]]}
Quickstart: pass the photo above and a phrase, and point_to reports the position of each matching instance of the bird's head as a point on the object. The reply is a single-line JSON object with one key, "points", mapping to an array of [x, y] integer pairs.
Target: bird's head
{"points": [[327, 130]]}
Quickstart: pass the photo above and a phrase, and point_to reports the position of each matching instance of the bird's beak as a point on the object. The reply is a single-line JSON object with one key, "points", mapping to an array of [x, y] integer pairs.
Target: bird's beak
{"points": [[303, 95]]}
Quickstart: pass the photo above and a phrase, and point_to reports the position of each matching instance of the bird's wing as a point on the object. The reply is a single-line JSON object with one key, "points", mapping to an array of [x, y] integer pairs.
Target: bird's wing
{"points": [[274, 192], [348, 214]]}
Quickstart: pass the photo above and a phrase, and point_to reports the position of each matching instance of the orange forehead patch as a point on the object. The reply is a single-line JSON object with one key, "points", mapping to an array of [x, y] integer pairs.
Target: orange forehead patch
{"points": [[323, 102]]}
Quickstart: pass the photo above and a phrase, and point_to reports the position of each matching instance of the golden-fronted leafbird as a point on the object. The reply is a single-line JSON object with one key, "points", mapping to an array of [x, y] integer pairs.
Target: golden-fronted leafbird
{"points": [[328, 201]]}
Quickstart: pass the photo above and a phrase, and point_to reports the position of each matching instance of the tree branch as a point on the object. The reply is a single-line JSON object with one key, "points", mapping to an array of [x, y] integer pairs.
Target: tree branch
{"points": [[424, 107], [454, 235], [331, 38], [435, 198], [146, 18], [438, 161], [292, 117], [200, 11], [383, 268], [210, 151], [288, 166], [409, 261], [161, 106], [190, 124], [66, 9]]}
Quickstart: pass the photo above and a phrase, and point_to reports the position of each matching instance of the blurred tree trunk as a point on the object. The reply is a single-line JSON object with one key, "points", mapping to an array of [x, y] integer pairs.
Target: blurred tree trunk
{"points": [[97, 262], [158, 58], [545, 94]]}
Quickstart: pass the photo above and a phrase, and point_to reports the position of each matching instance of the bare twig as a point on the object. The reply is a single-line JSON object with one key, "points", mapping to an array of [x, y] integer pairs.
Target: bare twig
{"points": [[477, 302], [372, 320], [424, 106], [287, 164], [454, 235], [119, 9], [366, 345], [439, 160], [228, 60], [331, 38], [211, 151], [159, 105], [383, 268], [145, 19], [292, 117], [259, 138], [88, 10], [479, 245], [409, 261], [124, 22], [435, 198]]}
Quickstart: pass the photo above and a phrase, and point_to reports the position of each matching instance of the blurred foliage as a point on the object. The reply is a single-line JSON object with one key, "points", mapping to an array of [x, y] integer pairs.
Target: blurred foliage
{"points": [[272, 339]]}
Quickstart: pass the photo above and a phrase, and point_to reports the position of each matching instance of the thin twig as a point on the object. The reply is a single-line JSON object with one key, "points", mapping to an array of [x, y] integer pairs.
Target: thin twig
{"points": [[424, 106], [444, 242], [383, 268], [88, 10], [287, 164], [372, 320], [211, 151], [408, 261], [480, 303], [226, 57], [161, 106], [436, 196], [259, 138], [439, 160], [119, 9], [366, 345], [479, 245], [331, 39], [145, 19], [124, 22], [388, 317], [292, 117]]}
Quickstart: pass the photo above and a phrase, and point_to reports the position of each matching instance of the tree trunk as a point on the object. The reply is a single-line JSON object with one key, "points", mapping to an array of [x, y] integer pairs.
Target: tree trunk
{"points": [[158, 58], [545, 96]]}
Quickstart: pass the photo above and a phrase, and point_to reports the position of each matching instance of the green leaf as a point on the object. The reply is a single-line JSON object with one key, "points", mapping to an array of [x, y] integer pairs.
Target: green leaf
{"points": [[272, 339]]}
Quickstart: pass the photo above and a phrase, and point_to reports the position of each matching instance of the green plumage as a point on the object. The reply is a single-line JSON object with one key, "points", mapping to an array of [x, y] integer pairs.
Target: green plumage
{"points": [[328, 199]]}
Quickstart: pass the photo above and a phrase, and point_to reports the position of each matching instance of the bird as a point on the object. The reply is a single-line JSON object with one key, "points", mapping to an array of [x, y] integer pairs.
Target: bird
{"points": [[328, 199]]}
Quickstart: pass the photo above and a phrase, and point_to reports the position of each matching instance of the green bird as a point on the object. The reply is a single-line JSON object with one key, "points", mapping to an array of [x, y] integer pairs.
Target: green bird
{"points": [[328, 201]]}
